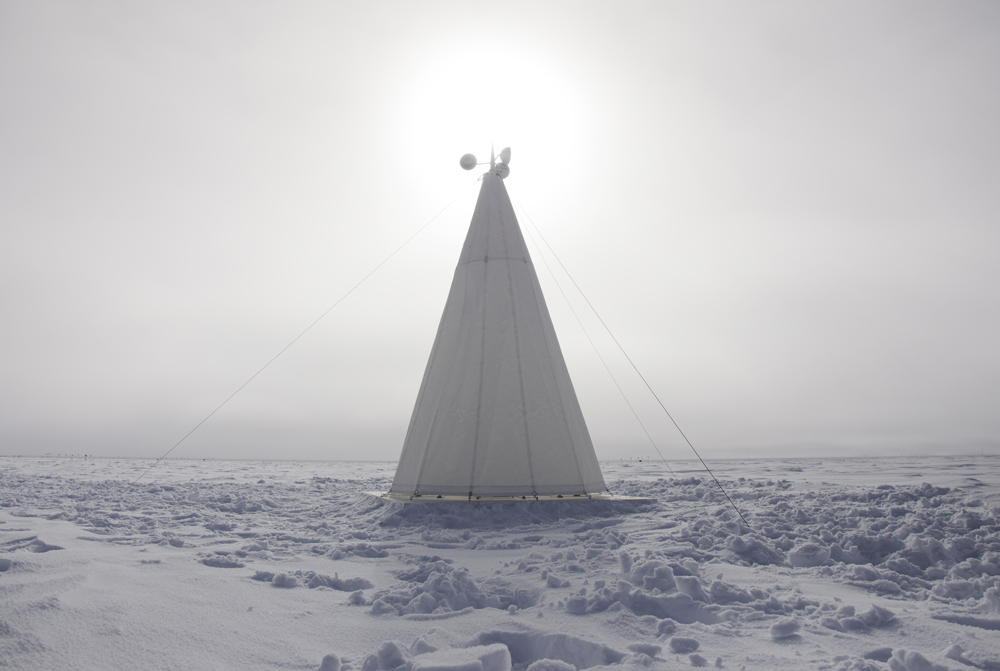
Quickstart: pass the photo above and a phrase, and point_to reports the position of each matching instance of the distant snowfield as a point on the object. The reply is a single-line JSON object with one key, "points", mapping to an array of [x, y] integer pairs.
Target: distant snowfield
{"points": [[849, 564]]}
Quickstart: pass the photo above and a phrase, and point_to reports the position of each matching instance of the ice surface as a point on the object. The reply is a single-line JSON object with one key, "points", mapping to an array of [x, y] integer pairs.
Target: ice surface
{"points": [[847, 565]]}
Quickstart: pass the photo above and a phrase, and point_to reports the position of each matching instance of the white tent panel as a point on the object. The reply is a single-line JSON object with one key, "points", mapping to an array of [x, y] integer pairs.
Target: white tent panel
{"points": [[496, 414]]}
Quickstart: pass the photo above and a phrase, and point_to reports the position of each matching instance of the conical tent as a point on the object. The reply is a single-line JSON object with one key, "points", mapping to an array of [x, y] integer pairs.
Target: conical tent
{"points": [[496, 414]]}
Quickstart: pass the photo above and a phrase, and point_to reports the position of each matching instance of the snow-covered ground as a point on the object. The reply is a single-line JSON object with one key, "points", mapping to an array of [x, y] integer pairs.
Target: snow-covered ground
{"points": [[847, 564]]}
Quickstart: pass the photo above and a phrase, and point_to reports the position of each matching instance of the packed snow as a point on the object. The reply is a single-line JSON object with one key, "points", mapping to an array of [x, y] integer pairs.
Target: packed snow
{"points": [[847, 565]]}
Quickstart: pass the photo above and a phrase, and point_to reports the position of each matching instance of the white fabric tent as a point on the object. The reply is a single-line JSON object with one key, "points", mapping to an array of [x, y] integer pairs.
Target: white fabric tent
{"points": [[496, 413]]}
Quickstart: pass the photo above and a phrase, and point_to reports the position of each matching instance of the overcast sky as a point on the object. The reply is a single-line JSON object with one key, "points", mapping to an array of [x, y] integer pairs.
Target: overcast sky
{"points": [[788, 214]]}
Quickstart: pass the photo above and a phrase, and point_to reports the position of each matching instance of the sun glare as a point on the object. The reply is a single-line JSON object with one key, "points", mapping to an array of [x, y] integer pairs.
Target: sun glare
{"points": [[462, 96]]}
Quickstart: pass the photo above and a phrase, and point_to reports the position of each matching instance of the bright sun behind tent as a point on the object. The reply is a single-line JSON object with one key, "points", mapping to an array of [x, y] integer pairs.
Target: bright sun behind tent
{"points": [[461, 96]]}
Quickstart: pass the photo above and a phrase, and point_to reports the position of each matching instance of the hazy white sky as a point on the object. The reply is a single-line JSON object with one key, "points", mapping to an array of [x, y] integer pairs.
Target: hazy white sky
{"points": [[788, 213]]}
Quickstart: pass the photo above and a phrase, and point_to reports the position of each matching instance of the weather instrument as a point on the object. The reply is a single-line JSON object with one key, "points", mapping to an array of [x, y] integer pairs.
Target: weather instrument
{"points": [[498, 164]]}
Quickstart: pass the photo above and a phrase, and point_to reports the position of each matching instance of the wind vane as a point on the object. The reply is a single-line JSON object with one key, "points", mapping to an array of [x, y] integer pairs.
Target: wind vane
{"points": [[501, 169]]}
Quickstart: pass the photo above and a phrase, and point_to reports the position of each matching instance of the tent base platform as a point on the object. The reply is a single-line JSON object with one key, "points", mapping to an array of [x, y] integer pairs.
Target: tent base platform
{"points": [[406, 499]]}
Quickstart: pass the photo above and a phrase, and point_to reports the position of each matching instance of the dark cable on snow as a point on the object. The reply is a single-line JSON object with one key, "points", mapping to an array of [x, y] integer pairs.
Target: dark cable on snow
{"points": [[296, 339], [634, 367], [594, 345]]}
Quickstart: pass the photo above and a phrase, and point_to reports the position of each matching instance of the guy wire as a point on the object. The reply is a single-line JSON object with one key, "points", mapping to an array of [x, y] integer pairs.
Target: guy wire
{"points": [[634, 367], [296, 338]]}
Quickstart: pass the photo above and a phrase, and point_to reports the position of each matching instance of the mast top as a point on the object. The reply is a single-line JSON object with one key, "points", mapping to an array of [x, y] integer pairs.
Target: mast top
{"points": [[498, 164]]}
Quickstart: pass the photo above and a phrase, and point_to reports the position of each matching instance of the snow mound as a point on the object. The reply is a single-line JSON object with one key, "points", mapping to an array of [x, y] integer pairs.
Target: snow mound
{"points": [[683, 645], [365, 550], [755, 550], [222, 562], [477, 658], [313, 580], [784, 629], [437, 588], [649, 649], [438, 650], [911, 660], [31, 544], [530, 646], [330, 662], [284, 580], [550, 665], [808, 555]]}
